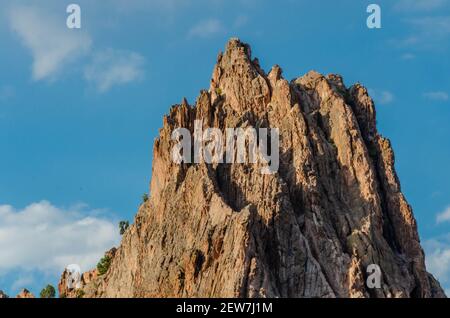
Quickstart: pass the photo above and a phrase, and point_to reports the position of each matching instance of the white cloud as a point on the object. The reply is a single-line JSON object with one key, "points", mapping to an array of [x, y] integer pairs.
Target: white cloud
{"points": [[53, 46], [51, 43], [444, 216], [406, 42], [386, 97], [240, 21], [206, 29], [408, 56], [6, 92], [437, 251], [381, 96], [430, 32], [420, 5], [47, 238], [433, 25], [427, 33], [112, 67], [437, 96]]}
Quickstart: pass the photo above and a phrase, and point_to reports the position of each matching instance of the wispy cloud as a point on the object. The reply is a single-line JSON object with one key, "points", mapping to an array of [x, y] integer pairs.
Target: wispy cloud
{"points": [[408, 56], [113, 67], [429, 33], [44, 237], [435, 25], [52, 45], [240, 21], [444, 216], [437, 96], [437, 251], [206, 29], [382, 97], [420, 5]]}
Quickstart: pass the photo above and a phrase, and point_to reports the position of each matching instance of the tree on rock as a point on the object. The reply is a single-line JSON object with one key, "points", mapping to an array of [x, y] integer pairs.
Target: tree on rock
{"points": [[123, 226], [103, 265], [48, 292]]}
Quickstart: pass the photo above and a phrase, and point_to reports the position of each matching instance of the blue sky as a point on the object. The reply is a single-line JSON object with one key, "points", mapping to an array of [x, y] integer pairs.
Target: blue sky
{"points": [[79, 109]]}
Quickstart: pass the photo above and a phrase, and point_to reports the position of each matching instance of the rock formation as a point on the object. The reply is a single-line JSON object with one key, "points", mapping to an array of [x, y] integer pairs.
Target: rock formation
{"points": [[86, 282], [310, 230], [3, 295], [25, 293]]}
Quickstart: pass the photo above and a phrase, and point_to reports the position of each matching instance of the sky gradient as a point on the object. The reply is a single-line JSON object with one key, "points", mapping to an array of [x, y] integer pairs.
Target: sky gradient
{"points": [[80, 109]]}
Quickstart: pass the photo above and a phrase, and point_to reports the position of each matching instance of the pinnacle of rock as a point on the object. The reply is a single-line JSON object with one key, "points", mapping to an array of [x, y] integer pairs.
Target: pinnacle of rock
{"points": [[25, 293], [332, 210]]}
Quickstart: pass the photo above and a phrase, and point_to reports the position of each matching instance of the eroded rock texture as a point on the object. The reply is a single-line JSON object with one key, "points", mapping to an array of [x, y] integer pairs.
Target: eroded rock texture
{"points": [[226, 230]]}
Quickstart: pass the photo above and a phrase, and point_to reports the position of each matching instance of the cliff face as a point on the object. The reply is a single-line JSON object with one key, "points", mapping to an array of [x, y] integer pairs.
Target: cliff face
{"points": [[309, 230]]}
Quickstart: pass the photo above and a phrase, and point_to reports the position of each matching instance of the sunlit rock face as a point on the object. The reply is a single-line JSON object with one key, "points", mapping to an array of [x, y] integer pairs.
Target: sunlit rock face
{"points": [[313, 228]]}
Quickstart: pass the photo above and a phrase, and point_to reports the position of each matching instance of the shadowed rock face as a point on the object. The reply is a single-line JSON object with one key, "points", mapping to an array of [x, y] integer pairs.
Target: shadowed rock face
{"points": [[310, 230]]}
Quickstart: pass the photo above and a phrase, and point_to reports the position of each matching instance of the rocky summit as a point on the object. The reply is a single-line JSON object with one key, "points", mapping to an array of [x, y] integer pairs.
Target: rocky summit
{"points": [[333, 209], [25, 293]]}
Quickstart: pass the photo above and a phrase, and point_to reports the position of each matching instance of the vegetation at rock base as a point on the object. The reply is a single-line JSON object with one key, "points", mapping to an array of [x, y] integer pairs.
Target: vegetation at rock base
{"points": [[48, 292]]}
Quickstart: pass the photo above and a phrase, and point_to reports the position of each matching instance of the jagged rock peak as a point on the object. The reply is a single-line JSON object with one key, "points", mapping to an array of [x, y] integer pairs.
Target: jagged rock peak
{"points": [[25, 293], [333, 209]]}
